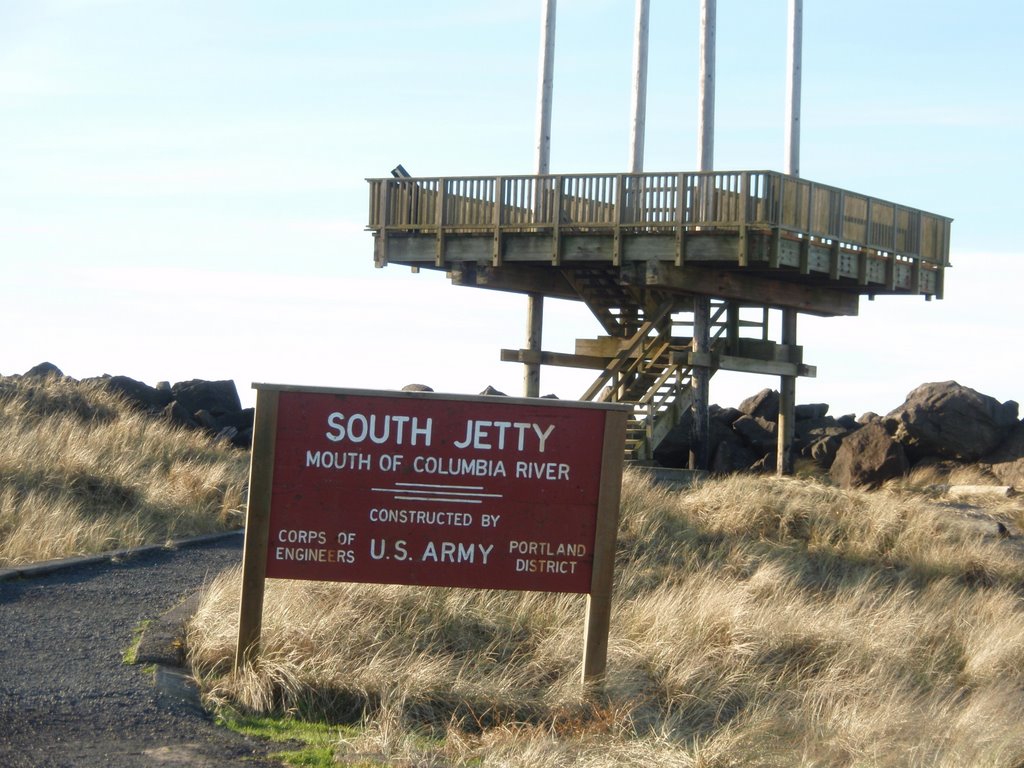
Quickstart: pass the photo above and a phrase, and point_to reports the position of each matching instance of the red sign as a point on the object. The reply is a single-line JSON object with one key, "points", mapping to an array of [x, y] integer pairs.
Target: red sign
{"points": [[414, 488]]}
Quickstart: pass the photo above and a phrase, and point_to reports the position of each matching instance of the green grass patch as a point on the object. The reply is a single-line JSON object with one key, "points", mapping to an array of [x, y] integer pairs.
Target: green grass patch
{"points": [[311, 744], [130, 654]]}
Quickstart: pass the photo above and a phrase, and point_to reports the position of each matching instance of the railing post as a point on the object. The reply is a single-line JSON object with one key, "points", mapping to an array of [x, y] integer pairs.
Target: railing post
{"points": [[895, 229], [680, 219], [776, 214], [499, 198], [920, 237], [868, 238], [841, 218], [439, 201], [810, 210], [556, 222], [621, 200], [742, 253]]}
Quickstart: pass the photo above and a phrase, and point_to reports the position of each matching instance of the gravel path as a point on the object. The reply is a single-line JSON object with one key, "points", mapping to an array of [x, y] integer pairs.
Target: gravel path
{"points": [[66, 697]]}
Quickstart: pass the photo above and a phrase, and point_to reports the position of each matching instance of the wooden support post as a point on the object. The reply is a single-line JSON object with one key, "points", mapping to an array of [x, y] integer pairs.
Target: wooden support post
{"points": [[787, 402], [380, 256], [774, 248], [732, 328], [805, 255], [599, 600], [833, 260], [534, 335], [257, 528], [699, 384]]}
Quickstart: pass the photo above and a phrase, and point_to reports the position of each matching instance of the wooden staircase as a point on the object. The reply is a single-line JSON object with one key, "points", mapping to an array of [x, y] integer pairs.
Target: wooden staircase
{"points": [[618, 307], [648, 368]]}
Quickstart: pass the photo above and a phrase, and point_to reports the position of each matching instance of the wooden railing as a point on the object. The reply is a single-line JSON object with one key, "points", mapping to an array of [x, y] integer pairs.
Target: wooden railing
{"points": [[733, 200]]}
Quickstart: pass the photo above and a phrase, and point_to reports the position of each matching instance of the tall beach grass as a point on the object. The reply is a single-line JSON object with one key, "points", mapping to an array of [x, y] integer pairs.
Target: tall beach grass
{"points": [[757, 621], [82, 472]]}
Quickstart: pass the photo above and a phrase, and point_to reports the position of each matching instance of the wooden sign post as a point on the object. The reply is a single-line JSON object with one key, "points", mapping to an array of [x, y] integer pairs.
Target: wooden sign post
{"points": [[434, 490]]}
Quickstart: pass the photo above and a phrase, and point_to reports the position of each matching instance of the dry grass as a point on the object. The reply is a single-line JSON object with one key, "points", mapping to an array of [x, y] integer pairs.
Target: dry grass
{"points": [[81, 472], [757, 622]]}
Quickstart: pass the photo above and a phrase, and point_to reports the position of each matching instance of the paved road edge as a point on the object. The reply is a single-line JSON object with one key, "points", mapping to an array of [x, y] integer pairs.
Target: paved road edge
{"points": [[50, 566]]}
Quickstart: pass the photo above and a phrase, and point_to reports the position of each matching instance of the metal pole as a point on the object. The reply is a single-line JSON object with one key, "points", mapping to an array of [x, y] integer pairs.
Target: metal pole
{"points": [[706, 98], [794, 67], [640, 36], [787, 384], [545, 83]]}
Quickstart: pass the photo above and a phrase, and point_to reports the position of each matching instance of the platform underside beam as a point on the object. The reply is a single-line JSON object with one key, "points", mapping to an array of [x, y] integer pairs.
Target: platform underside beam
{"points": [[513, 278], [755, 289], [759, 254], [654, 276]]}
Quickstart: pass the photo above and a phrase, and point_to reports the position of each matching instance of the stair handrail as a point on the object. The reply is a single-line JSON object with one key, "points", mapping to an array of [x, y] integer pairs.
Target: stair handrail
{"points": [[623, 359]]}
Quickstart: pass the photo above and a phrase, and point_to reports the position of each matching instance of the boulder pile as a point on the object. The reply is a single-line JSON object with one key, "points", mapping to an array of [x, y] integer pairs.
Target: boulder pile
{"points": [[212, 406], [938, 422]]}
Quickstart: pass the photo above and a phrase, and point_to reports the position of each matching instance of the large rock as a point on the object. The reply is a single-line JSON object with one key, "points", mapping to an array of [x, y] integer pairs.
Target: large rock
{"points": [[757, 432], [731, 455], [767, 464], [217, 397], [823, 452], [726, 451], [726, 416], [674, 450], [240, 420], [951, 421], [1007, 461], [43, 370], [177, 414], [765, 405], [809, 431], [138, 393], [811, 411], [867, 458]]}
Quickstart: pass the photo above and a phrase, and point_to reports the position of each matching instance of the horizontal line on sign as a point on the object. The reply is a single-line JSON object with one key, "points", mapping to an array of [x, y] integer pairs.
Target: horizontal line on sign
{"points": [[444, 492], [438, 485], [438, 498], [448, 493]]}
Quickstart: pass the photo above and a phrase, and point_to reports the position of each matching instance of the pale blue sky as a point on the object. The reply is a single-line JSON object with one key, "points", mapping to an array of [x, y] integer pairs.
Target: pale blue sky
{"points": [[182, 187]]}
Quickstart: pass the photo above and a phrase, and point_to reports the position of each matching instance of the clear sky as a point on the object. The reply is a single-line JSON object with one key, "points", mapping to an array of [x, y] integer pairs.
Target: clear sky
{"points": [[182, 187]]}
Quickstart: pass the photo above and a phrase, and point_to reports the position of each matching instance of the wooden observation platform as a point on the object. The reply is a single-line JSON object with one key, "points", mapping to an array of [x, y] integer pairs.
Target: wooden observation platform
{"points": [[680, 269]]}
